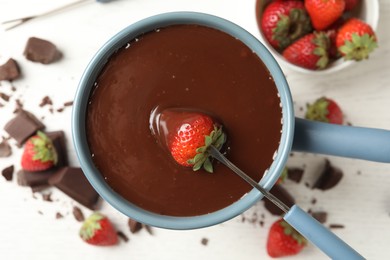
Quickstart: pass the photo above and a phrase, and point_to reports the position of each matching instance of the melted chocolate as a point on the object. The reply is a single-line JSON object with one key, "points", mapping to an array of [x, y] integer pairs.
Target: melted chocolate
{"points": [[182, 66]]}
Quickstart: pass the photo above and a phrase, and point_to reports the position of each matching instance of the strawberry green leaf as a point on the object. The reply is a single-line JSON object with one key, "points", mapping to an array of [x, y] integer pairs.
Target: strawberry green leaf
{"points": [[359, 47], [91, 225], [44, 149], [208, 166]]}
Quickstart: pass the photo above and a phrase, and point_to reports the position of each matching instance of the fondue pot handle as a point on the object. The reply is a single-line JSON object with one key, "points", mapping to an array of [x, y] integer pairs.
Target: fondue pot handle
{"points": [[346, 141], [319, 235]]}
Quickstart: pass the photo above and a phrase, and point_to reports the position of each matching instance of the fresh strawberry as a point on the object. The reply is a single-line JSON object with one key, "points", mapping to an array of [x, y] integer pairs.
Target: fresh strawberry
{"points": [[192, 136], [283, 22], [39, 153], [355, 40], [323, 13], [325, 110], [350, 4], [97, 230], [331, 32], [284, 240], [310, 51]]}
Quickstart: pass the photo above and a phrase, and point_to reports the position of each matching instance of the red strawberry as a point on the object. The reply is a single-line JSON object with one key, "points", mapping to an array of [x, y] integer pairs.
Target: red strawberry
{"points": [[189, 136], [39, 153], [284, 240], [325, 110], [97, 230], [356, 40], [310, 51], [283, 22], [350, 4], [324, 12], [331, 32]]}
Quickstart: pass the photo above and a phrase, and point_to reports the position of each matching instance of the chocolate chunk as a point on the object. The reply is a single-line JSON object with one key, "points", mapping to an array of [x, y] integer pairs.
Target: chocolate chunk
{"points": [[78, 214], [9, 70], [295, 174], [122, 236], [72, 182], [5, 149], [282, 194], [320, 216], [59, 215], [204, 241], [33, 179], [43, 51], [4, 97], [8, 173], [69, 103], [329, 177], [134, 225], [46, 101], [22, 126]]}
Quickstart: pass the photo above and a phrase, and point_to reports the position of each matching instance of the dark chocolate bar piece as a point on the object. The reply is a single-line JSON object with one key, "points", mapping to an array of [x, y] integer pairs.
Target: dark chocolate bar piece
{"points": [[34, 179], [329, 177], [72, 182], [22, 126], [59, 143], [9, 70], [295, 174], [134, 225], [282, 194], [43, 51]]}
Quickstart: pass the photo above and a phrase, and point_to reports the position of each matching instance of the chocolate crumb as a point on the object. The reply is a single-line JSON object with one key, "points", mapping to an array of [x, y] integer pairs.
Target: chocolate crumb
{"points": [[51, 110], [320, 216], [359, 172], [46, 101], [40, 212], [47, 197], [13, 88], [59, 215], [314, 201], [204, 241], [307, 184], [78, 214], [261, 223], [4, 97], [8, 173], [5, 149], [336, 226], [68, 104], [60, 109], [134, 226], [122, 236]]}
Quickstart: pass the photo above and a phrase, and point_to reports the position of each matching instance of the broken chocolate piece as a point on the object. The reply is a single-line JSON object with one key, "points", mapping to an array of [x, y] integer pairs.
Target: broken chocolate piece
{"points": [[73, 182], [78, 214], [5, 149], [8, 173], [9, 70], [59, 215], [134, 225], [59, 143], [336, 226], [46, 101], [34, 179], [329, 177], [22, 126], [43, 51], [320, 216], [122, 236], [69, 103], [4, 97], [283, 195], [295, 174]]}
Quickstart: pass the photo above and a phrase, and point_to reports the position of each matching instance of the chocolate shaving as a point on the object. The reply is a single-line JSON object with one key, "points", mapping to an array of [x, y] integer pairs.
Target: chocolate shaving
{"points": [[329, 177], [122, 236], [4, 97], [8, 173], [78, 214], [336, 226], [46, 101]]}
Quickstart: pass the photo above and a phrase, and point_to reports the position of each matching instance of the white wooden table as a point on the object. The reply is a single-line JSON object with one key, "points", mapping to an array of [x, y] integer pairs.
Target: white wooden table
{"points": [[28, 228]]}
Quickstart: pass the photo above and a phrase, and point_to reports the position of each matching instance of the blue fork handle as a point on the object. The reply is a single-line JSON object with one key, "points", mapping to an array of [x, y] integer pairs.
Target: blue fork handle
{"points": [[346, 141], [319, 235]]}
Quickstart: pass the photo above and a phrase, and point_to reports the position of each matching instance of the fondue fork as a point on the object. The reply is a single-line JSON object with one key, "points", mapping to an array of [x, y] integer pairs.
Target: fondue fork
{"points": [[304, 223]]}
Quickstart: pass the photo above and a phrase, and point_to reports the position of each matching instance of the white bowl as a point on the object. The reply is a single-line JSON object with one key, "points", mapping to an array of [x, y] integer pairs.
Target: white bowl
{"points": [[368, 11]]}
